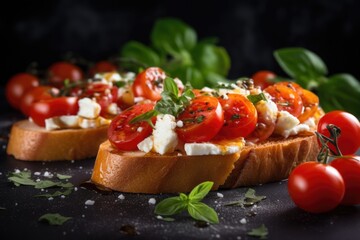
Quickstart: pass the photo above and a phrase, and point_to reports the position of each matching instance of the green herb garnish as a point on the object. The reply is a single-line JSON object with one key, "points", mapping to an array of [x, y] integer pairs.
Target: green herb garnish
{"points": [[62, 176], [257, 98], [175, 48], [192, 203], [54, 218], [248, 200], [66, 192], [339, 91], [170, 103], [260, 232]]}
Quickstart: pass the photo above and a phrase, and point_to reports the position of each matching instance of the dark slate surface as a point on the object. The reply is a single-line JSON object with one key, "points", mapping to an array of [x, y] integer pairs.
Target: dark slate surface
{"points": [[133, 217]]}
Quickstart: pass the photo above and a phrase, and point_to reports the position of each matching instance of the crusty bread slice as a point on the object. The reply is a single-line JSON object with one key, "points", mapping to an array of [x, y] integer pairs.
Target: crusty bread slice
{"points": [[138, 172], [33, 143]]}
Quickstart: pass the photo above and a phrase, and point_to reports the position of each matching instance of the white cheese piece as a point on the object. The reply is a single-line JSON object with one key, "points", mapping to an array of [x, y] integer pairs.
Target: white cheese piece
{"points": [[287, 125], [88, 108], [165, 137], [146, 145], [268, 110], [61, 122], [112, 109], [50, 124], [193, 149], [93, 123]]}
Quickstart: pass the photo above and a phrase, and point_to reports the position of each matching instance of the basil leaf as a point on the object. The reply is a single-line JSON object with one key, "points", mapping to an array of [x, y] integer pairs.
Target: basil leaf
{"points": [[145, 117], [62, 176], [139, 55], [201, 211], [340, 92], [45, 184], [260, 232], [200, 191], [170, 86], [248, 200], [256, 98], [54, 218], [301, 64], [190, 75], [21, 181], [211, 58], [214, 80], [55, 194], [170, 206], [173, 36]]}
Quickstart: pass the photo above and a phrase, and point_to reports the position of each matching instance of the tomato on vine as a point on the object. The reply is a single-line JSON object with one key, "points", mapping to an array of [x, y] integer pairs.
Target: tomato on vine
{"points": [[149, 83], [17, 86], [263, 78], [61, 71]]}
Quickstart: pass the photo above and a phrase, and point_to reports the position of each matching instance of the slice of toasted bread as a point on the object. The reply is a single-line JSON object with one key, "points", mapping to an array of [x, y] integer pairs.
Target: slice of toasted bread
{"points": [[138, 172], [33, 143]]}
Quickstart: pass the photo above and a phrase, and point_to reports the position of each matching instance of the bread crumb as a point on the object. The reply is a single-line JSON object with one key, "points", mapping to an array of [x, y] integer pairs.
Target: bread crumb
{"points": [[89, 202], [152, 201]]}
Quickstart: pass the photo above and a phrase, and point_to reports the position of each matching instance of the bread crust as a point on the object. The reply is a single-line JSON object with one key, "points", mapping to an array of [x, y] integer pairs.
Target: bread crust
{"points": [[138, 172], [30, 142]]}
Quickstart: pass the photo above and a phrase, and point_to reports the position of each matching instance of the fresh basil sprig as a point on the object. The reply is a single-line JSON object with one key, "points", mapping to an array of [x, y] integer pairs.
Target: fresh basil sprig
{"points": [[192, 203], [170, 103], [176, 49], [54, 218], [336, 92]]}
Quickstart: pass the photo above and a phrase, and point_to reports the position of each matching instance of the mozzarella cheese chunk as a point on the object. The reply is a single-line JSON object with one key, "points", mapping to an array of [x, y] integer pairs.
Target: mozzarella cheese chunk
{"points": [[268, 110], [193, 149], [288, 125], [73, 121], [165, 137], [146, 145], [88, 108]]}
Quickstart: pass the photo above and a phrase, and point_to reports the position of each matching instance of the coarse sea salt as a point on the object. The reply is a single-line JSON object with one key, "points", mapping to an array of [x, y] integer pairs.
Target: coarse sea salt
{"points": [[89, 202]]}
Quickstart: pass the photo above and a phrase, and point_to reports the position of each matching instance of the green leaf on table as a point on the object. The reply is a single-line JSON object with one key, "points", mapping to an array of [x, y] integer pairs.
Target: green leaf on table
{"points": [[201, 211], [21, 178], [66, 192], [260, 232], [200, 191], [54, 218], [249, 199], [62, 176], [170, 206]]}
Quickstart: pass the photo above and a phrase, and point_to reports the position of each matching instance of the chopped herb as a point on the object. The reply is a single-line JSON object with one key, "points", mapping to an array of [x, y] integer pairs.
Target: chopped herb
{"points": [[248, 200], [56, 194], [235, 116], [192, 203], [200, 119], [119, 84], [166, 219], [62, 177], [260, 232], [54, 218], [257, 98]]}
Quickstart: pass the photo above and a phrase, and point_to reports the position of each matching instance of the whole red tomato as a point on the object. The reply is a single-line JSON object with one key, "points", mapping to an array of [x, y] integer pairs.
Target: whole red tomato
{"points": [[349, 168], [316, 187], [149, 83], [349, 139], [263, 78], [102, 67], [17, 86], [61, 71]]}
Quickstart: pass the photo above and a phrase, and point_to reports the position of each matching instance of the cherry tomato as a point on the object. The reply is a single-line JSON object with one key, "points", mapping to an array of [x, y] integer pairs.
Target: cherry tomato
{"points": [[309, 99], [102, 67], [240, 116], [34, 95], [349, 169], [263, 78], [104, 94], [202, 120], [54, 107], [316, 187], [349, 139], [286, 98], [17, 86], [149, 83], [265, 125], [60, 71], [126, 136]]}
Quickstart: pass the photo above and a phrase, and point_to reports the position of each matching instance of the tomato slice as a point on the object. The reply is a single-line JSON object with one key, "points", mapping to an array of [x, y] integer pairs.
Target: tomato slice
{"points": [[202, 120], [54, 107], [263, 78], [34, 95], [149, 83], [286, 98], [240, 116], [125, 136]]}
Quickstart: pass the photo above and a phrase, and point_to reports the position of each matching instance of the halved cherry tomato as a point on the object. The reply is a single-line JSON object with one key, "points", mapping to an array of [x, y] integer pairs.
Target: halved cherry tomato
{"points": [[34, 95], [349, 169], [60, 71], [125, 136], [102, 67], [202, 120], [104, 94], [240, 116], [17, 86], [316, 187], [149, 83], [309, 99], [54, 107], [263, 78], [349, 139], [286, 98], [267, 116]]}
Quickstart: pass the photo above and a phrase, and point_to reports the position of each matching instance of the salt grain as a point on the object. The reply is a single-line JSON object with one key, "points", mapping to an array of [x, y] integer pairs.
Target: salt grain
{"points": [[50, 198], [152, 201], [37, 173], [89, 202], [121, 197], [243, 221], [220, 195]]}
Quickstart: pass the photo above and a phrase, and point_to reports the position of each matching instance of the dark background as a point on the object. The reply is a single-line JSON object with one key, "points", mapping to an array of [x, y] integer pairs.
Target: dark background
{"points": [[44, 31]]}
